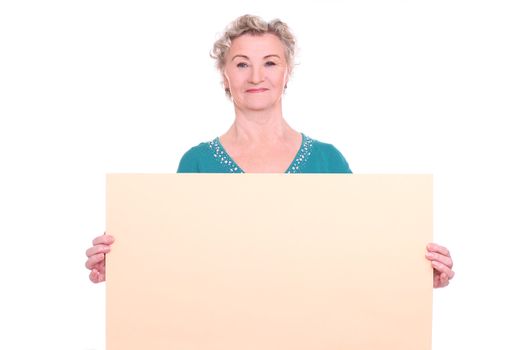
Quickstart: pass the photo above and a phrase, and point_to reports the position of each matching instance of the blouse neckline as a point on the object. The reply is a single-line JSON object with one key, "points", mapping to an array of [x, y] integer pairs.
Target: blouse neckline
{"points": [[302, 155]]}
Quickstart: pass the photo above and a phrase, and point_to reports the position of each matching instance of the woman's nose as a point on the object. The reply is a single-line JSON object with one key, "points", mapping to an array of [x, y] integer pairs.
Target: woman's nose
{"points": [[257, 75]]}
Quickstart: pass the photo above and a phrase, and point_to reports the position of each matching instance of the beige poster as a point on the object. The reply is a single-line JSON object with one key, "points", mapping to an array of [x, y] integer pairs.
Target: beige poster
{"points": [[269, 262]]}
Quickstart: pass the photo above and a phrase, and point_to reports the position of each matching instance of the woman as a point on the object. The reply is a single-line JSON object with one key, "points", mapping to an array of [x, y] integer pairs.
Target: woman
{"points": [[255, 59]]}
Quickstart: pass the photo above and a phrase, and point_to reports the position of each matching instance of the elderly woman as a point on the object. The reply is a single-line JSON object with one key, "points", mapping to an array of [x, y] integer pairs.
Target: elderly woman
{"points": [[255, 59]]}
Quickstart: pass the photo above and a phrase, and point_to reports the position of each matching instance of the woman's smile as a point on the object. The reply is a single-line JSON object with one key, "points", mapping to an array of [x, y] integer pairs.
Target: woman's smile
{"points": [[256, 90]]}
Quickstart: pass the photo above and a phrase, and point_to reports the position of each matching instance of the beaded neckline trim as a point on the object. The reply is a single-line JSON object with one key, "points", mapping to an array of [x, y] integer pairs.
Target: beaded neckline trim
{"points": [[220, 154]]}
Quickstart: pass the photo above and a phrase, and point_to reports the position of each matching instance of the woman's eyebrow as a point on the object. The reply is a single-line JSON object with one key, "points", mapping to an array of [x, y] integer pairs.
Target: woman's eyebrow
{"points": [[246, 57], [240, 56]]}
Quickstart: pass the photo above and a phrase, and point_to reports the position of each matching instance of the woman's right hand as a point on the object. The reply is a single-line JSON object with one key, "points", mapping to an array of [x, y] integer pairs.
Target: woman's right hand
{"points": [[96, 261]]}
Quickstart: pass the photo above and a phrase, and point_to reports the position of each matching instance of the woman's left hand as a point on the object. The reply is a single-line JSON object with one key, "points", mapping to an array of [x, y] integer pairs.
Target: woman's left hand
{"points": [[442, 263]]}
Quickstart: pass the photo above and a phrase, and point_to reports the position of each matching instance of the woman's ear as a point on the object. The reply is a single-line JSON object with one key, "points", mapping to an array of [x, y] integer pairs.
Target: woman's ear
{"points": [[225, 82], [226, 85], [288, 74]]}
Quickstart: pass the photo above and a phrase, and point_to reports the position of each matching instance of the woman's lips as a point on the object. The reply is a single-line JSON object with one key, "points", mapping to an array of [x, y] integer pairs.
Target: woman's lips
{"points": [[256, 90]]}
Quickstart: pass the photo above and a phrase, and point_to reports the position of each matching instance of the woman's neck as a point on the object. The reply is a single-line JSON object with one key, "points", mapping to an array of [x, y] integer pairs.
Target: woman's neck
{"points": [[258, 127]]}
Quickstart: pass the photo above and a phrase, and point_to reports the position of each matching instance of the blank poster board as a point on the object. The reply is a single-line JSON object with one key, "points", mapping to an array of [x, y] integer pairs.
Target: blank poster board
{"points": [[269, 262]]}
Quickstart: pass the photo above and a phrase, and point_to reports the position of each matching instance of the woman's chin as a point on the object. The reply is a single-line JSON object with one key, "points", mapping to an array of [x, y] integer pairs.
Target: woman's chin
{"points": [[258, 106]]}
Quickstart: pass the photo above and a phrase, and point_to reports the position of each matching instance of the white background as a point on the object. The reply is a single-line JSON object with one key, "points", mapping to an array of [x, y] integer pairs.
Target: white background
{"points": [[91, 87]]}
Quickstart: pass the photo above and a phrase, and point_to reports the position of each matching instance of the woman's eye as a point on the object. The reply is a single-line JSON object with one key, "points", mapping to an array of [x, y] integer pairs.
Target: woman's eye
{"points": [[242, 65], [270, 63]]}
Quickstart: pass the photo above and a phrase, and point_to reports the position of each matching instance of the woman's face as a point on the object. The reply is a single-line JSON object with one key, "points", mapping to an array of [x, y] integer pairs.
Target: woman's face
{"points": [[256, 71]]}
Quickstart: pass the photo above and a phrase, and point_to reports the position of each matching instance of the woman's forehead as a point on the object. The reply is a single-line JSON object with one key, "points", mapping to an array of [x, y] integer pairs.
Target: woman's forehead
{"points": [[256, 45]]}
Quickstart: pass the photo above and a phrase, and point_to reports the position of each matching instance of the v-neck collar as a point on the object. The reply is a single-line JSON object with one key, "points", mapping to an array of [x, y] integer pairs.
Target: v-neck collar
{"points": [[220, 154]]}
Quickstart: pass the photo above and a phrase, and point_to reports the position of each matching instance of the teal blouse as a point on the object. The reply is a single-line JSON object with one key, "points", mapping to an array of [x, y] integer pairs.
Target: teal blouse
{"points": [[313, 157]]}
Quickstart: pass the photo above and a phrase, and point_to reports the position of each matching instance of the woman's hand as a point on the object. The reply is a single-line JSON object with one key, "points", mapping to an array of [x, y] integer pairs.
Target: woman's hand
{"points": [[96, 261], [442, 263]]}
